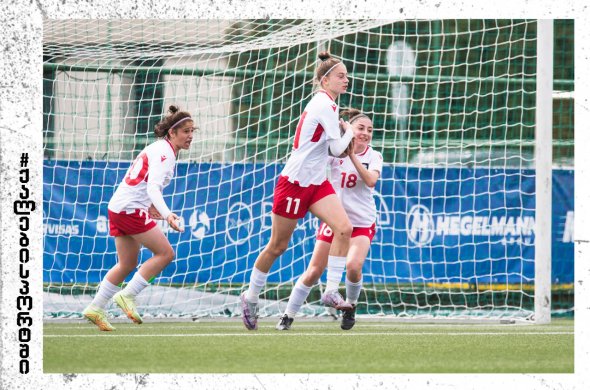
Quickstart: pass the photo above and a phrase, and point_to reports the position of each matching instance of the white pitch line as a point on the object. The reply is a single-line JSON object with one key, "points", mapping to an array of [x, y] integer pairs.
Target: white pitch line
{"points": [[302, 324], [284, 334]]}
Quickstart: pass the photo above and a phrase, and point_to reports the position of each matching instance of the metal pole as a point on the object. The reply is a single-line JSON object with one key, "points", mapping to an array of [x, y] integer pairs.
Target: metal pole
{"points": [[543, 167]]}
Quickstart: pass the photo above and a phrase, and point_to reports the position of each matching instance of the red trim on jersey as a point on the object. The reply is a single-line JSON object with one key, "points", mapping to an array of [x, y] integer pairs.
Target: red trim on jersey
{"points": [[170, 143], [298, 131], [331, 98], [142, 175], [317, 134], [363, 153]]}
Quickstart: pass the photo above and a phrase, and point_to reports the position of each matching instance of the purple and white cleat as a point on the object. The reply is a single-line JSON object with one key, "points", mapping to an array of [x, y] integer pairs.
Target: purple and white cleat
{"points": [[249, 313], [335, 300]]}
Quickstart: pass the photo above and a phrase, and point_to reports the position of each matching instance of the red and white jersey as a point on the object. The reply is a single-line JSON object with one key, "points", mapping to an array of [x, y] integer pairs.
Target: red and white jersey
{"points": [[356, 197], [319, 123], [155, 164]]}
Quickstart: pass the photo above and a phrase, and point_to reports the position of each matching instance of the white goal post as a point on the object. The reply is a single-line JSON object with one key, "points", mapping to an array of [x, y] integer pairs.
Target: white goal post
{"points": [[462, 115], [543, 170]]}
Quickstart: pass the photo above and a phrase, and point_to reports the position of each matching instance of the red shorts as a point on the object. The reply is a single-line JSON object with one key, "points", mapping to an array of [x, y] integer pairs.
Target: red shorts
{"points": [[126, 224], [325, 233], [293, 201]]}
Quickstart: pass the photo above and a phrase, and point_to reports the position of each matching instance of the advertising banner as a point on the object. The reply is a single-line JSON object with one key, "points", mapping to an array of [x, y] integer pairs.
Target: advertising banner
{"points": [[434, 224]]}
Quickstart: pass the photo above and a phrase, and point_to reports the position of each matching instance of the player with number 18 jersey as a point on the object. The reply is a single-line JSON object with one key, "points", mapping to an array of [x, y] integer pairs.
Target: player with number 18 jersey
{"points": [[356, 197]]}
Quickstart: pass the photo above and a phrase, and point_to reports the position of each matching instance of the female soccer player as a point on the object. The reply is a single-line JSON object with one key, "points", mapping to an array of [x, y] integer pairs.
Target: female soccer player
{"points": [[302, 185], [354, 177], [136, 202]]}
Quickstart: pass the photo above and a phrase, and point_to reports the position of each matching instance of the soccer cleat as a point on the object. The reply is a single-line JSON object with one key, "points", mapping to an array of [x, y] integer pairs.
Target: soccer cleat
{"points": [[348, 319], [335, 300], [127, 304], [98, 317], [284, 323], [249, 313]]}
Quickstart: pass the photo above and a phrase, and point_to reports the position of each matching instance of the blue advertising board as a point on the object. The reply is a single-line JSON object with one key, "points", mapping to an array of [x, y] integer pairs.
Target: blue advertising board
{"points": [[434, 224]]}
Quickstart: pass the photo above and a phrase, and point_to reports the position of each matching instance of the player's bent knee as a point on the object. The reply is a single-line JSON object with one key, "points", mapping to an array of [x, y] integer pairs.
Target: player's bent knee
{"points": [[353, 275], [168, 254]]}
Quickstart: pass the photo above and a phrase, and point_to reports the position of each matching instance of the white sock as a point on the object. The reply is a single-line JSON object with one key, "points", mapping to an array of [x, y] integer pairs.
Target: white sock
{"points": [[136, 285], [298, 296], [105, 292], [336, 265], [257, 282], [353, 290]]}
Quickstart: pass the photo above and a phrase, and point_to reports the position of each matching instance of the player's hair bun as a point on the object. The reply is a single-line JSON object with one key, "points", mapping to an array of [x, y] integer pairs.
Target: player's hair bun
{"points": [[324, 55]]}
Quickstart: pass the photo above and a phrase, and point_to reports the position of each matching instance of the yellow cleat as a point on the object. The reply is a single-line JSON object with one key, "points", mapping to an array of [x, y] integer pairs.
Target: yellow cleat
{"points": [[98, 317], [127, 304]]}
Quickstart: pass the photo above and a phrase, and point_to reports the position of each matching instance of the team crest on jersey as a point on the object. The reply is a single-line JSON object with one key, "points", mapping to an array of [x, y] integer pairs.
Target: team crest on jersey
{"points": [[334, 107], [163, 158]]}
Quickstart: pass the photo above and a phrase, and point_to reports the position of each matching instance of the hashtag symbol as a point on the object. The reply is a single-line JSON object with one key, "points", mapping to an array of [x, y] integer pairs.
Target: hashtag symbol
{"points": [[24, 160]]}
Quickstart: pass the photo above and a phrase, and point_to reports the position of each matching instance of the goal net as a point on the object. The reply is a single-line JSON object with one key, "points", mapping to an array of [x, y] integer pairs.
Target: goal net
{"points": [[453, 106]]}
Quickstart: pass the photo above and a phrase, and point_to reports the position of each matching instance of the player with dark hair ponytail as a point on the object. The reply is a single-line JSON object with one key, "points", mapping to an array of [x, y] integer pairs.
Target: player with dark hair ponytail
{"points": [[135, 204]]}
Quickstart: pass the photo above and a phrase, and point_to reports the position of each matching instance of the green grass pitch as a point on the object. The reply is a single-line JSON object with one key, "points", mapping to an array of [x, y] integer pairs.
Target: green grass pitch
{"points": [[225, 346]]}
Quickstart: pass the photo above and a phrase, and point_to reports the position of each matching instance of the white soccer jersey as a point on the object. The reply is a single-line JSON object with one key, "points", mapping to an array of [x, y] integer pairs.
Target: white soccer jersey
{"points": [[155, 164], [356, 197], [309, 157]]}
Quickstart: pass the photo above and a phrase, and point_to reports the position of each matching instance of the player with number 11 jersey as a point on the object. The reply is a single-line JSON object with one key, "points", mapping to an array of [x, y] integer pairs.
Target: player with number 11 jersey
{"points": [[317, 125], [303, 185]]}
